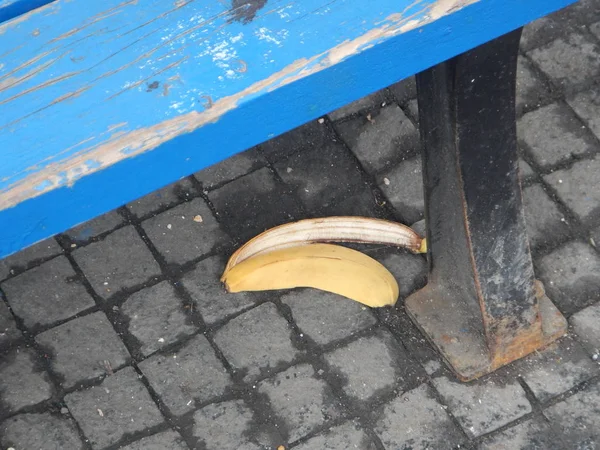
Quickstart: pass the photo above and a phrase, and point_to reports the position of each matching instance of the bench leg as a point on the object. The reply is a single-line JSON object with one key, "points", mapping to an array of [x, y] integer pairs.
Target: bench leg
{"points": [[482, 307]]}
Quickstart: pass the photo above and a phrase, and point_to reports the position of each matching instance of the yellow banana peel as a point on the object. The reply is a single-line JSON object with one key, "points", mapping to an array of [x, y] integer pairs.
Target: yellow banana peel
{"points": [[331, 268]]}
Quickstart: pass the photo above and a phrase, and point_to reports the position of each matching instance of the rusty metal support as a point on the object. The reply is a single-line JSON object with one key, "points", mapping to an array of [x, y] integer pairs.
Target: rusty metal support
{"points": [[482, 307]]}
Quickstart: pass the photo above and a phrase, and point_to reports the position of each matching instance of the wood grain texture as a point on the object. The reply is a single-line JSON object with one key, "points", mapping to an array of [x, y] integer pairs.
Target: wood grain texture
{"points": [[9, 9], [102, 102]]}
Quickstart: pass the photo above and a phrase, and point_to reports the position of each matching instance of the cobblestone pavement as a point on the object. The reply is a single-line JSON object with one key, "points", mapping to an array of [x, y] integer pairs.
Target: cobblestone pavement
{"points": [[118, 334]]}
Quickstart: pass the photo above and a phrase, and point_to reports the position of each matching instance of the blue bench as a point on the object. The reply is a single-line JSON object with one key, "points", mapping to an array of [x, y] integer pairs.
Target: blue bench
{"points": [[104, 101]]}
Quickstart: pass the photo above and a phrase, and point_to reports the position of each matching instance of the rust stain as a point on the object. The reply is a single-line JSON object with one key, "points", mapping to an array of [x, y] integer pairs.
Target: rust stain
{"points": [[111, 151]]}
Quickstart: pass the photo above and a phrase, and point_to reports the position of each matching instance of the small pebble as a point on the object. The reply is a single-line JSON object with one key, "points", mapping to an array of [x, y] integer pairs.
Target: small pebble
{"points": [[386, 181], [595, 357], [321, 120], [169, 226], [198, 218]]}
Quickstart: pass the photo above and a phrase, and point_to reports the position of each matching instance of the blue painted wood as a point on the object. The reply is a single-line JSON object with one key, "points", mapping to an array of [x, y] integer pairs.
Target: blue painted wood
{"points": [[103, 102], [9, 9]]}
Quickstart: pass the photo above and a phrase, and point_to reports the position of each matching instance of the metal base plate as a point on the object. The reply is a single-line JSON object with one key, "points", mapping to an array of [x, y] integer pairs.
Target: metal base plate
{"points": [[455, 328]]}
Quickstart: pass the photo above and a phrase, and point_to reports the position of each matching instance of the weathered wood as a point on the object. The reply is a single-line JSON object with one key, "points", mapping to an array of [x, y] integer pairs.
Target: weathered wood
{"points": [[9, 9], [104, 101]]}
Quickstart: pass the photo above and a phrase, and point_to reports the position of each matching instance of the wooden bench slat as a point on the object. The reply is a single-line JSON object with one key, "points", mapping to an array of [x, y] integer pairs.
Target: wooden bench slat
{"points": [[102, 102]]}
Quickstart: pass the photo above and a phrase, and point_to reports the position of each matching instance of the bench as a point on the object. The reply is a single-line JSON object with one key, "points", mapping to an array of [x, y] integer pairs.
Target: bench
{"points": [[105, 101]]}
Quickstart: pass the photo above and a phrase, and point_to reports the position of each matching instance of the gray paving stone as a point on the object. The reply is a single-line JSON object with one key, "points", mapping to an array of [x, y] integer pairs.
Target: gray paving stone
{"points": [[531, 92], [94, 227], [230, 169], [545, 223], [327, 317], [253, 203], [80, 349], [415, 420], [542, 31], [23, 259], [587, 105], [43, 431], [572, 62], [525, 169], [156, 317], [367, 103], [192, 374], [225, 425], [311, 135], [381, 140], [571, 276], [117, 407], [581, 12], [8, 328], [120, 261], [577, 187], [553, 134], [22, 381], [484, 406], [343, 437], [404, 90], [47, 294], [403, 186], [556, 369], [167, 440], [363, 203], [323, 176], [256, 341], [168, 196], [213, 301], [373, 366], [301, 400], [585, 324], [533, 434], [412, 109], [578, 418], [595, 28], [185, 232], [409, 270]]}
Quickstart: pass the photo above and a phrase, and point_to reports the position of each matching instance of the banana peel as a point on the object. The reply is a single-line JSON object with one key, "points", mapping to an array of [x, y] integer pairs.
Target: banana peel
{"points": [[331, 268]]}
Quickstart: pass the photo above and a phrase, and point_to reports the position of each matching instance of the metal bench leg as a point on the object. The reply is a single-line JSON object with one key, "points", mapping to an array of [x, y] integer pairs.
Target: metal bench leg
{"points": [[482, 307]]}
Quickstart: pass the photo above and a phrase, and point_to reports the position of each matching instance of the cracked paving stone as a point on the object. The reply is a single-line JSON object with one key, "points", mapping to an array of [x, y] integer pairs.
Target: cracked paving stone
{"points": [[553, 134], [545, 223], [24, 259], [94, 227], [415, 420], [8, 328], [256, 341], [373, 366], [119, 406], [230, 169], [81, 349], [571, 276], [578, 418], [482, 407], [40, 431], [556, 369], [120, 261], [226, 425], [189, 375], [343, 437], [585, 324], [156, 317], [167, 440], [381, 141], [587, 105], [403, 186], [254, 203], [213, 301], [533, 434], [22, 381], [185, 232], [323, 176], [577, 187], [572, 62], [368, 103], [300, 399], [47, 294], [166, 197], [327, 317]]}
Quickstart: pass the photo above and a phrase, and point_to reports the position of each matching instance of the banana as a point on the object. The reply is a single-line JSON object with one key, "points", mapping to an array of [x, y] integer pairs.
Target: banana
{"points": [[329, 229], [328, 267]]}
